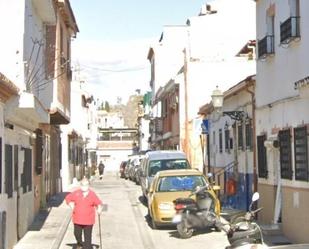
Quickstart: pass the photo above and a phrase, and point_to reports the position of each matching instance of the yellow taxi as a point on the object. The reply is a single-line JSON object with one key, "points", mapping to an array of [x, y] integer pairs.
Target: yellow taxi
{"points": [[169, 185]]}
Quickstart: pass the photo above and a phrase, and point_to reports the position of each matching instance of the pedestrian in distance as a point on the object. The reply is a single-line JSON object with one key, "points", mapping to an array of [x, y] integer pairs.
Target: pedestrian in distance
{"points": [[84, 203], [101, 169]]}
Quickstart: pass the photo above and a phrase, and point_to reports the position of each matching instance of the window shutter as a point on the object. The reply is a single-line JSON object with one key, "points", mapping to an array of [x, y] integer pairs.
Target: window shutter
{"points": [[50, 51], [262, 156], [301, 153], [8, 170], [285, 154], [39, 151]]}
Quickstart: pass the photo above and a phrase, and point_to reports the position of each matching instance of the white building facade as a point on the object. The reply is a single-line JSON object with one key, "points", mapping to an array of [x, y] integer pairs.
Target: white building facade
{"points": [[282, 115]]}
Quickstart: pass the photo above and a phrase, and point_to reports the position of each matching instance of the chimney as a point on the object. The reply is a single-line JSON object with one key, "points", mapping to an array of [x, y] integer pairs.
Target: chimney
{"points": [[206, 10]]}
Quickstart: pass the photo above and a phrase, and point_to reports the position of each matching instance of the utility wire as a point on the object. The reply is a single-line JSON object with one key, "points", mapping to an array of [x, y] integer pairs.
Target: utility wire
{"points": [[114, 70]]}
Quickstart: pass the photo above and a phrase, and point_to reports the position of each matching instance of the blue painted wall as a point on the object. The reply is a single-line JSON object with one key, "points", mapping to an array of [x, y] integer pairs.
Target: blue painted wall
{"points": [[242, 199]]}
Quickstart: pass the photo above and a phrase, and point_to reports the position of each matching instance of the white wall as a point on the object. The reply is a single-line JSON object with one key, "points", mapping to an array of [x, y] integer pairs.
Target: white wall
{"points": [[168, 55], [277, 74], [279, 105], [214, 41], [25, 214]]}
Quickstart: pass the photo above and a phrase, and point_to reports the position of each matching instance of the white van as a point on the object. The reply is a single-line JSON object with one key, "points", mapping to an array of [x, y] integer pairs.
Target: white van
{"points": [[156, 161]]}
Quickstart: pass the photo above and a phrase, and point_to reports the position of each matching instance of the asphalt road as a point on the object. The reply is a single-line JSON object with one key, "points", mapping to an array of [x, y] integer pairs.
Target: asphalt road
{"points": [[124, 223]]}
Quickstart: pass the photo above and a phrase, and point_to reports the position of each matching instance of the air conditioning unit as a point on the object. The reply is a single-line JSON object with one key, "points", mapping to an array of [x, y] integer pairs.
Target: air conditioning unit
{"points": [[272, 142]]}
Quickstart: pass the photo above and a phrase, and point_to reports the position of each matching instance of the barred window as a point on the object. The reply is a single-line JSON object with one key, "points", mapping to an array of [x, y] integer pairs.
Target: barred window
{"points": [[0, 164], [301, 153], [227, 139], [262, 156], [249, 134], [220, 141], [39, 151], [16, 167], [9, 170], [240, 137], [285, 154], [26, 177]]}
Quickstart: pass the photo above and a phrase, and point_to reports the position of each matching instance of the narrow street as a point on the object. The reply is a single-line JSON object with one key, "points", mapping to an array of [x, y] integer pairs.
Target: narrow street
{"points": [[124, 222]]}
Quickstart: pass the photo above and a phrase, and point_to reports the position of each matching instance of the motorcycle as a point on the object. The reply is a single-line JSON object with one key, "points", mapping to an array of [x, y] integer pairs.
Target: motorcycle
{"points": [[201, 213], [244, 233]]}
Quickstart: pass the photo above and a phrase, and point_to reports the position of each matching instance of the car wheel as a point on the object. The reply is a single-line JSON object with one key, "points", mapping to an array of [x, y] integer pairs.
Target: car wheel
{"points": [[154, 225], [183, 231]]}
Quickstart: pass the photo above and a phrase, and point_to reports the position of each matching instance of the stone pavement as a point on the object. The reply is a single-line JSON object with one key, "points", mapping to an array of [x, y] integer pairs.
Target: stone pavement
{"points": [[49, 226]]}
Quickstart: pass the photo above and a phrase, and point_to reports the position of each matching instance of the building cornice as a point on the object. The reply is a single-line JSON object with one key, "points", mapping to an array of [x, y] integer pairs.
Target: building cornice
{"points": [[7, 88], [67, 15]]}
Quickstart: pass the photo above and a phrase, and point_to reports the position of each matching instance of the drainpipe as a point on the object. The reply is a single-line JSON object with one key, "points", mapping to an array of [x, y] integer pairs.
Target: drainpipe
{"points": [[255, 178], [186, 104]]}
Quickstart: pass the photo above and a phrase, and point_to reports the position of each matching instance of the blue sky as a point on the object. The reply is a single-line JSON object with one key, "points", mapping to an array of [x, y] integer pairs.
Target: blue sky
{"points": [[114, 38]]}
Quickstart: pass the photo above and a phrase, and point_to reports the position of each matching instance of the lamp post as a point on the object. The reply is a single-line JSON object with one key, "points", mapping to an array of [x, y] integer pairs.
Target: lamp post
{"points": [[217, 98], [217, 102]]}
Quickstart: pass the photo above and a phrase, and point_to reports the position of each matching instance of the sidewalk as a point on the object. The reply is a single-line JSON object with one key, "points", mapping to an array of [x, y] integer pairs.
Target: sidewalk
{"points": [[49, 226]]}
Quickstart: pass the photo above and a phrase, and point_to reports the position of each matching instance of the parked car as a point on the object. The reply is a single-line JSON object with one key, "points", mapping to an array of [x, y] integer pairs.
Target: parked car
{"points": [[122, 169], [156, 161], [130, 167], [170, 185]]}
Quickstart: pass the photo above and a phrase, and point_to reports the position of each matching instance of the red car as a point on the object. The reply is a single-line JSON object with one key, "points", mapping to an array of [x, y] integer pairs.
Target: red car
{"points": [[122, 168]]}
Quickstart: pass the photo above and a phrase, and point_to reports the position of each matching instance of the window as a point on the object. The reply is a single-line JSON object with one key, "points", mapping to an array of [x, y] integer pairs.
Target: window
{"points": [[285, 154], [180, 183], [294, 8], [26, 177], [0, 164], [301, 153], [39, 151], [249, 134], [158, 165], [9, 170], [164, 108], [262, 156], [220, 141], [290, 28], [227, 139], [50, 33], [231, 143], [16, 167], [270, 22], [240, 137]]}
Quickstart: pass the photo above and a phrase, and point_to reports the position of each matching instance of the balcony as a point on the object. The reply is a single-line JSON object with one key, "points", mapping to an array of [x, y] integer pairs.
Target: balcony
{"points": [[159, 126], [289, 30], [26, 110], [266, 46]]}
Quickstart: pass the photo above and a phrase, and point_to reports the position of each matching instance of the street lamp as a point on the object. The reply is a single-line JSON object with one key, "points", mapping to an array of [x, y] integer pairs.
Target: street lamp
{"points": [[217, 98], [217, 102]]}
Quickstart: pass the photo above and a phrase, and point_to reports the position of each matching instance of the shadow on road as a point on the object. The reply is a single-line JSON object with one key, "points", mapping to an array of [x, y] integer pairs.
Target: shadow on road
{"points": [[175, 234], [143, 200], [74, 245], [40, 218]]}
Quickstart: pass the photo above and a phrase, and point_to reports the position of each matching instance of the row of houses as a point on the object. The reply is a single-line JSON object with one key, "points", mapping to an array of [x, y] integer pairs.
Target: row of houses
{"points": [[47, 124], [254, 135]]}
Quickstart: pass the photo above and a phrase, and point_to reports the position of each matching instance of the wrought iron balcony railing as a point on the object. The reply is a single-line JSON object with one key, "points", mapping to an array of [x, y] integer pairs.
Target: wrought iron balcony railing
{"points": [[266, 46], [289, 30]]}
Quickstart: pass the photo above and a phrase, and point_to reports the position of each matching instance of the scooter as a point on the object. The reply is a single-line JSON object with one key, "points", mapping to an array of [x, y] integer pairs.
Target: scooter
{"points": [[201, 213], [244, 233]]}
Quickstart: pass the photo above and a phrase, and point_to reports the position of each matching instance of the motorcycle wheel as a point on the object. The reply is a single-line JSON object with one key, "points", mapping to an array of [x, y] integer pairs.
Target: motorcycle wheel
{"points": [[183, 231]]}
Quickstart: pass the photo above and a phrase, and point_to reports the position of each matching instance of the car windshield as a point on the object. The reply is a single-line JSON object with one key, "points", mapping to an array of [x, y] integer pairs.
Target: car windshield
{"points": [[159, 165], [180, 183]]}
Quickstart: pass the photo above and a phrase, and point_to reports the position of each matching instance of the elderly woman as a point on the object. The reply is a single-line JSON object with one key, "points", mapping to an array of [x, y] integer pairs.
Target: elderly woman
{"points": [[83, 203]]}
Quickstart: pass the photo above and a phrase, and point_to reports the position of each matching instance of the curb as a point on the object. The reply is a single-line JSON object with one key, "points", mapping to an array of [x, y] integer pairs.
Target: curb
{"points": [[62, 231]]}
